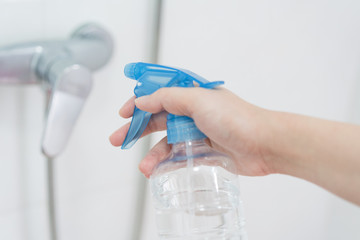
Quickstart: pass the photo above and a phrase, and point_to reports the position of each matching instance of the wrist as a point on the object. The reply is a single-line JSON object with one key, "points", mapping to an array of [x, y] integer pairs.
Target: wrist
{"points": [[277, 142]]}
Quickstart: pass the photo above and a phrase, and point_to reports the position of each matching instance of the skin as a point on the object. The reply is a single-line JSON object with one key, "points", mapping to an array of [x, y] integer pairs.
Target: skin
{"points": [[259, 141]]}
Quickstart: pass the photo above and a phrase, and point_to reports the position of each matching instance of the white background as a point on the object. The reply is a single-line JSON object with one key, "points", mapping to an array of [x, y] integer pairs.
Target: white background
{"points": [[297, 56]]}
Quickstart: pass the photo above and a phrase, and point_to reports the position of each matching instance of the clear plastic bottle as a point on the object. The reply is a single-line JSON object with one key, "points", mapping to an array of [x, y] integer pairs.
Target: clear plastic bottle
{"points": [[195, 192], [196, 196]]}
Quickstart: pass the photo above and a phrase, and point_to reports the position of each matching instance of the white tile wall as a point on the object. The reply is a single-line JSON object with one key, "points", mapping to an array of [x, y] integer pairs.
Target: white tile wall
{"points": [[297, 56], [95, 187], [22, 173], [286, 55]]}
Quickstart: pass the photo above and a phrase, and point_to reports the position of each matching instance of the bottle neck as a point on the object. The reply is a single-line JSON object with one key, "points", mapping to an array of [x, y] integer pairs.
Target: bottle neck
{"points": [[180, 146]]}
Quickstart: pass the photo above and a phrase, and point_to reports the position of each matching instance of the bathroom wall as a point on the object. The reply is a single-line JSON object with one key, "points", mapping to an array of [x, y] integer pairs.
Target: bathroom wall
{"points": [[94, 182], [296, 56]]}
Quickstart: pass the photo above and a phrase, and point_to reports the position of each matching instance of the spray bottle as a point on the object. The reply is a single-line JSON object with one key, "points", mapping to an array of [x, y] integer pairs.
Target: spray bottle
{"points": [[195, 194]]}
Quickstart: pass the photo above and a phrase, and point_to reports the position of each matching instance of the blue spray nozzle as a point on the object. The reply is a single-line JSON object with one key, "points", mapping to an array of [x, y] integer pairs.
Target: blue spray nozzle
{"points": [[151, 77], [130, 70]]}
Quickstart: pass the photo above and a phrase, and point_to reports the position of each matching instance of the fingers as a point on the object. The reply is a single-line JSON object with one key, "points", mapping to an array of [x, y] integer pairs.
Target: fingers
{"points": [[154, 156], [176, 100], [157, 123], [179, 101], [127, 109], [118, 137]]}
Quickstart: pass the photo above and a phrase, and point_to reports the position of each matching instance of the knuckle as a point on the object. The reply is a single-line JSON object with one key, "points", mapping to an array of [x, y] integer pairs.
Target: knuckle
{"points": [[161, 92], [155, 153]]}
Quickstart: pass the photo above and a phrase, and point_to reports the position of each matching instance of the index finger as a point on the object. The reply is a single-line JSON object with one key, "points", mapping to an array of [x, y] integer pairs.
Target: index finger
{"points": [[127, 109]]}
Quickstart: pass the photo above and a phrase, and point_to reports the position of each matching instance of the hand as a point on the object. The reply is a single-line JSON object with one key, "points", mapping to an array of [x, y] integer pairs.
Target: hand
{"points": [[259, 141], [232, 125]]}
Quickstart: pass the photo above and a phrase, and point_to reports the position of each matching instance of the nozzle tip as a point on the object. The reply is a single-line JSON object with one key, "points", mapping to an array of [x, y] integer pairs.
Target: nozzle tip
{"points": [[129, 70]]}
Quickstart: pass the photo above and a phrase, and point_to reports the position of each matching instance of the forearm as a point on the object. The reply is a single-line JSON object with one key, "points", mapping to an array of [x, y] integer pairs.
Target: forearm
{"points": [[324, 152]]}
